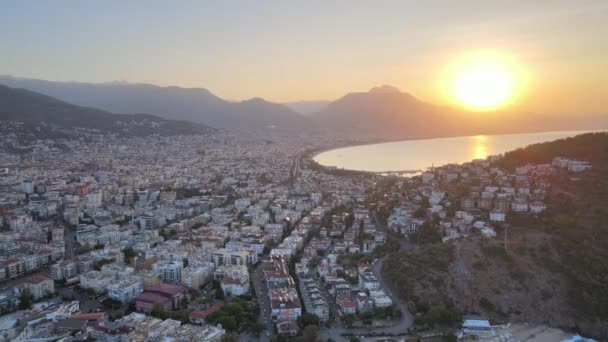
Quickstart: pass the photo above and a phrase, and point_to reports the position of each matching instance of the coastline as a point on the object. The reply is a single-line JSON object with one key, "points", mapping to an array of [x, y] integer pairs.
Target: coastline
{"points": [[313, 154]]}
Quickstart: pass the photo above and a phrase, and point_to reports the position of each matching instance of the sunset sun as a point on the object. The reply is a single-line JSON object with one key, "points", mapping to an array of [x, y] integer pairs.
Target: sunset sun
{"points": [[484, 86], [483, 82]]}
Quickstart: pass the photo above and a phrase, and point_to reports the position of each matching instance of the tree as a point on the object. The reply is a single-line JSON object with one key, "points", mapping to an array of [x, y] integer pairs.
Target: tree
{"points": [[257, 328], [427, 234], [425, 202], [227, 323], [450, 338], [411, 307], [420, 212], [233, 309], [158, 311], [279, 338], [231, 337], [128, 254], [25, 300], [102, 262], [184, 302], [219, 294], [348, 320], [311, 333], [163, 233], [308, 319]]}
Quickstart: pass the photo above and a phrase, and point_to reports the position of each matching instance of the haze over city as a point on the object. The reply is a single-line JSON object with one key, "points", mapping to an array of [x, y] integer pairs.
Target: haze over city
{"points": [[316, 171], [317, 50]]}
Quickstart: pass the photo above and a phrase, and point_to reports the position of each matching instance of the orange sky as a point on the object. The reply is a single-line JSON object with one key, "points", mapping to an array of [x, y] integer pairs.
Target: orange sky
{"points": [[311, 50]]}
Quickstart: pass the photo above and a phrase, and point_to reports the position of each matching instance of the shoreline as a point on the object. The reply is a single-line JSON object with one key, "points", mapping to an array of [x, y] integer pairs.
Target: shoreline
{"points": [[315, 153]]}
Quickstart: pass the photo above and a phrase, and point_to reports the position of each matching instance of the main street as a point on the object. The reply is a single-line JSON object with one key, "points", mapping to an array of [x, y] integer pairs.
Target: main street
{"points": [[261, 293]]}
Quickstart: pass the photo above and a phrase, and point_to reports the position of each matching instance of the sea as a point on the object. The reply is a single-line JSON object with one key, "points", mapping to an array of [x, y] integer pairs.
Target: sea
{"points": [[415, 156]]}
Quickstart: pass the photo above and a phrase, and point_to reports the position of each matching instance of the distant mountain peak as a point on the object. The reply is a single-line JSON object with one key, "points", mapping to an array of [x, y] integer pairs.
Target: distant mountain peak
{"points": [[255, 100], [172, 102], [385, 89], [35, 109]]}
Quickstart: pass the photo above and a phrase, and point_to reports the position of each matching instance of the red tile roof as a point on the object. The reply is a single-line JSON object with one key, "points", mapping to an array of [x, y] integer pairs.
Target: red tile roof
{"points": [[168, 289], [35, 279], [208, 311], [152, 298]]}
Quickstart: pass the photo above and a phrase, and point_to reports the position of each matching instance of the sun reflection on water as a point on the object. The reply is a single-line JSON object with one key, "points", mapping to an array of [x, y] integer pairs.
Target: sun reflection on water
{"points": [[479, 148]]}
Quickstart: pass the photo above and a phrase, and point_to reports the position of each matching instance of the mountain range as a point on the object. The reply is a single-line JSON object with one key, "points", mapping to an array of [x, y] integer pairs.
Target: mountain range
{"points": [[191, 104], [36, 111], [308, 108], [387, 113], [383, 113]]}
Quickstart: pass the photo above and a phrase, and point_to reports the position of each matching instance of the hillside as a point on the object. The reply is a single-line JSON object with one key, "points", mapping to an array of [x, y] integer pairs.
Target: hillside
{"points": [[555, 270], [388, 113], [308, 108], [591, 147], [384, 112], [175, 103], [34, 109]]}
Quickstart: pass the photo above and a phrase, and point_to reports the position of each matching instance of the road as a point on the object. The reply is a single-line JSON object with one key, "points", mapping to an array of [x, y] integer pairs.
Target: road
{"points": [[87, 304], [261, 292], [70, 242], [294, 172], [399, 328]]}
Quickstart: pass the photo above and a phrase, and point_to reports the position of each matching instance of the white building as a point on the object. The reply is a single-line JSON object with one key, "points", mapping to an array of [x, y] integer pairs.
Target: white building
{"points": [[63, 270], [195, 276], [96, 281], [519, 205], [368, 281], [170, 272], [126, 289], [380, 299], [497, 216], [537, 207]]}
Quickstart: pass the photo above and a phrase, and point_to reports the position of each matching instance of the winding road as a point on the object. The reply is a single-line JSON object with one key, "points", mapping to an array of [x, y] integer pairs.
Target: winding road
{"points": [[399, 328]]}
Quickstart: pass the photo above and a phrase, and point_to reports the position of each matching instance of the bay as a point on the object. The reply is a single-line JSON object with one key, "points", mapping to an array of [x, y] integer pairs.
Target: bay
{"points": [[419, 155]]}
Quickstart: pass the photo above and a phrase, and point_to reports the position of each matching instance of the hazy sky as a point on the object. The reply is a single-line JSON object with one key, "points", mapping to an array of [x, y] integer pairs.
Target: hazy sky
{"points": [[298, 50]]}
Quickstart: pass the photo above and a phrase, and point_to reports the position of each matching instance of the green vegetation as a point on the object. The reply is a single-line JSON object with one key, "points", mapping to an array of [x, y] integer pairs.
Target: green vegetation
{"points": [[557, 258], [111, 303], [128, 254], [230, 337], [426, 234], [159, 311], [313, 165], [437, 315], [310, 333], [424, 268], [390, 312], [577, 219], [219, 293], [25, 106], [308, 319], [25, 300], [181, 193], [239, 315], [591, 147], [99, 264]]}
